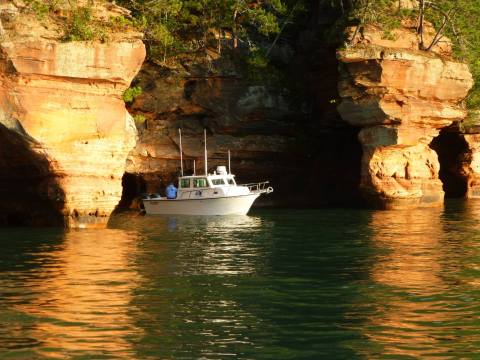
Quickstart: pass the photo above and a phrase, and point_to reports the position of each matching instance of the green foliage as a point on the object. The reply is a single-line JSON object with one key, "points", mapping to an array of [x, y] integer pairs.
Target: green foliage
{"points": [[267, 22], [39, 8], [178, 26], [121, 23], [471, 123], [131, 93], [42, 8], [139, 120], [257, 59], [80, 27], [163, 37]]}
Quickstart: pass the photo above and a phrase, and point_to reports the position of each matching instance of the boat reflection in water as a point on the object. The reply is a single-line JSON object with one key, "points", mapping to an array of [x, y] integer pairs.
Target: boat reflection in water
{"points": [[190, 298], [82, 294], [208, 244], [416, 268]]}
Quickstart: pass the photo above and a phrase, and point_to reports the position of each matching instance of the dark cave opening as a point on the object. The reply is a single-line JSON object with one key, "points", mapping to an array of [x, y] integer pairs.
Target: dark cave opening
{"points": [[133, 186], [451, 147], [337, 169], [29, 192]]}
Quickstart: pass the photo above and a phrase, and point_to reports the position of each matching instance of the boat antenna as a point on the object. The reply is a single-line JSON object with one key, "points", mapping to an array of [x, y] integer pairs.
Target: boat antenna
{"points": [[205, 150], [181, 152], [229, 171], [193, 166]]}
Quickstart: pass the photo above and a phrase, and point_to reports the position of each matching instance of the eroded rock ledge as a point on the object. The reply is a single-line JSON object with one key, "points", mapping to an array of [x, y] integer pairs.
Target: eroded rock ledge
{"points": [[62, 103], [401, 98]]}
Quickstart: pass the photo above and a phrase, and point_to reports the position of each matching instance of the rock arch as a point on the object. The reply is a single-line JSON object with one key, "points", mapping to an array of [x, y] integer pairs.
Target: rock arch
{"points": [[401, 98]]}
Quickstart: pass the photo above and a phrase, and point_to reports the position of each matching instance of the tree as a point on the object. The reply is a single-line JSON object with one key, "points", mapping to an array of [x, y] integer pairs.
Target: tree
{"points": [[186, 25]]}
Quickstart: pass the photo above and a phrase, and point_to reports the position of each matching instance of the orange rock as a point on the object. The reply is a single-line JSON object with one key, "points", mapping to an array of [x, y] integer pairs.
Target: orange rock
{"points": [[67, 98], [401, 97], [471, 165]]}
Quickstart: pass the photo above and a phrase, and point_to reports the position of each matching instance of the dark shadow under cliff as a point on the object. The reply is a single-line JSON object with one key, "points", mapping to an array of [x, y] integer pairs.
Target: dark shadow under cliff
{"points": [[29, 193]]}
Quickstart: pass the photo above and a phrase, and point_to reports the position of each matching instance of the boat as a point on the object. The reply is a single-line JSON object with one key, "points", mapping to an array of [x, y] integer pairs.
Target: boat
{"points": [[215, 193]]}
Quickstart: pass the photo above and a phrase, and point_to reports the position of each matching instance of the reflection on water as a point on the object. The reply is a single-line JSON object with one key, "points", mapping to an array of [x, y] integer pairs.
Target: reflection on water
{"points": [[280, 284], [420, 307], [410, 266], [75, 295], [213, 244], [192, 278], [412, 242]]}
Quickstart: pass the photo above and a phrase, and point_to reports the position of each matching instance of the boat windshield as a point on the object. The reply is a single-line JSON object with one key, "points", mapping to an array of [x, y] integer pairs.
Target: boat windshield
{"points": [[184, 183], [218, 182], [231, 181], [200, 183]]}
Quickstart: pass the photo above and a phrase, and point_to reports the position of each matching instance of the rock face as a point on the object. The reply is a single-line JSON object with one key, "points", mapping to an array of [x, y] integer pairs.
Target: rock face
{"points": [[62, 103], [470, 168], [253, 121], [401, 98]]}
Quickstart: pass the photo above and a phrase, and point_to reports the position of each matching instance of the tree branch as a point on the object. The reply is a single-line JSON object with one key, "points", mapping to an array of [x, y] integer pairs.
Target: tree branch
{"points": [[446, 19], [361, 22]]}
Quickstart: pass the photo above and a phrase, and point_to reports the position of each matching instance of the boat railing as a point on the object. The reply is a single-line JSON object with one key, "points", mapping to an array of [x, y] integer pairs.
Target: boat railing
{"points": [[260, 187]]}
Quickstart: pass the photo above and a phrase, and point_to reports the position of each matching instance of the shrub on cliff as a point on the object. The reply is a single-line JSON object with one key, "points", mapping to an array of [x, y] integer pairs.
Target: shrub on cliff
{"points": [[41, 8], [131, 93], [79, 27]]}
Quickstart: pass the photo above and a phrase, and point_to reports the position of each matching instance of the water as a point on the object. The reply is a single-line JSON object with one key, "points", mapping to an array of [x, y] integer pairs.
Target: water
{"points": [[280, 284]]}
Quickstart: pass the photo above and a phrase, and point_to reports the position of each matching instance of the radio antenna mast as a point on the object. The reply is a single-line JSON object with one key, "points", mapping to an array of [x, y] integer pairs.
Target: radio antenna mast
{"points": [[181, 151], [205, 150], [229, 170]]}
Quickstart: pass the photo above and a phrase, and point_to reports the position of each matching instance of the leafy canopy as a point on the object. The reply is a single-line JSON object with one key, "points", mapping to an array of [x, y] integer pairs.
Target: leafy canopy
{"points": [[177, 26]]}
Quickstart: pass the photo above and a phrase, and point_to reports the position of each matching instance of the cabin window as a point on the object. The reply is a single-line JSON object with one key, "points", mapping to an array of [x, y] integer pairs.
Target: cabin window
{"points": [[185, 183], [231, 181], [200, 183], [218, 182]]}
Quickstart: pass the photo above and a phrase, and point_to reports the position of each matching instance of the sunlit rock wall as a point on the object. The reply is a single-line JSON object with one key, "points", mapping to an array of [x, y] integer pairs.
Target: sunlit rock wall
{"points": [[401, 97], [65, 100]]}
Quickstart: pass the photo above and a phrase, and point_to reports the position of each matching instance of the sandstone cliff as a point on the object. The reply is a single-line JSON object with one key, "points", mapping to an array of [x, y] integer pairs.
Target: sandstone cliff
{"points": [[401, 98], [65, 133]]}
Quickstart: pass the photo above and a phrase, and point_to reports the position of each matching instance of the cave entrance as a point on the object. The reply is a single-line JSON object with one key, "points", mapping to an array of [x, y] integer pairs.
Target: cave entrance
{"points": [[133, 186], [29, 192], [451, 147]]}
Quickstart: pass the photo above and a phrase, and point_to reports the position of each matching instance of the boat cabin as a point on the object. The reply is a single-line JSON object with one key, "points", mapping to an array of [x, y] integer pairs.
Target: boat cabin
{"points": [[218, 184], [219, 178]]}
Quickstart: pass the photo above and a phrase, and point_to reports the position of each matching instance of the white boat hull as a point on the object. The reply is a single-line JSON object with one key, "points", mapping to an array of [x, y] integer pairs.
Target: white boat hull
{"points": [[232, 205]]}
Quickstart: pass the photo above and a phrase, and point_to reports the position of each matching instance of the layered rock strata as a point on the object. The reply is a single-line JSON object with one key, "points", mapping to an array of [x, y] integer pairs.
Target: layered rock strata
{"points": [[401, 98], [63, 102]]}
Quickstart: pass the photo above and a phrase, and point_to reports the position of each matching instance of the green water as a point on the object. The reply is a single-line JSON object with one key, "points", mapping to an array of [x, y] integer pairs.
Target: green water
{"points": [[279, 284]]}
